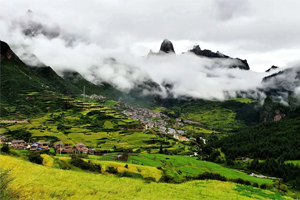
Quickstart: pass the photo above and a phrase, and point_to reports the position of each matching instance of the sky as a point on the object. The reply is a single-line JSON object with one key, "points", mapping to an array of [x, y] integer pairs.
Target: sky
{"points": [[264, 32], [83, 35]]}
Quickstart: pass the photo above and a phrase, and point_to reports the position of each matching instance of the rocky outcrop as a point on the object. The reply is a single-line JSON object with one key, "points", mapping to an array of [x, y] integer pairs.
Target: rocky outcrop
{"points": [[272, 111], [166, 46], [283, 81], [6, 52], [272, 68], [242, 64]]}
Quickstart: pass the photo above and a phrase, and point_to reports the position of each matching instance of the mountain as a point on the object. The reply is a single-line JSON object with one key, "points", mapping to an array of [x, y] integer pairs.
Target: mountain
{"points": [[239, 63], [283, 81], [79, 81], [167, 47], [272, 68], [16, 77]]}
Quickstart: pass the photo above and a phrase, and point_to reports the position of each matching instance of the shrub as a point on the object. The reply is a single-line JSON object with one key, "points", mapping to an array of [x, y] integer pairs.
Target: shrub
{"points": [[126, 166], [239, 180], [166, 178], [78, 162], [160, 168], [5, 149], [212, 176], [35, 157], [255, 185], [64, 165], [247, 183], [149, 179], [130, 174], [112, 170], [263, 186]]}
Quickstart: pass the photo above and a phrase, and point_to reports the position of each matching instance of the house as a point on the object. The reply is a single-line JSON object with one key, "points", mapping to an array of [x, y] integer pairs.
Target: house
{"points": [[58, 147], [3, 139], [180, 131], [80, 146], [43, 145], [34, 147], [67, 149], [91, 151], [18, 144], [183, 138], [85, 150]]}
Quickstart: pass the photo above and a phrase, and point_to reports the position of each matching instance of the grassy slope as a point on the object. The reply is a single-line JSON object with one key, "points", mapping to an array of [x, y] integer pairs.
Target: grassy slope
{"points": [[192, 166], [106, 138], [40, 182], [224, 116]]}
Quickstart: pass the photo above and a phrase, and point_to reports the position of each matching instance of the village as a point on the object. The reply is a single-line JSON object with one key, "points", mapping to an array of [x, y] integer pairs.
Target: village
{"points": [[59, 147], [158, 121]]}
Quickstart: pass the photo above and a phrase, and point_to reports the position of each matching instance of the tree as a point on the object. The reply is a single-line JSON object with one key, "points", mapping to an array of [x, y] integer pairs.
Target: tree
{"points": [[5, 148], [160, 149], [148, 150]]}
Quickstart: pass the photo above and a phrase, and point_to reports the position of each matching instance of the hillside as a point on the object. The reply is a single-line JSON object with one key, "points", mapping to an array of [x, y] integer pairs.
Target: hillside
{"points": [[65, 184]]}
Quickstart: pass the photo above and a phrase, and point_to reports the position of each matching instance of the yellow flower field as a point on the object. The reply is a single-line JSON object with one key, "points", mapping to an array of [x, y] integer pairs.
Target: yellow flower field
{"points": [[34, 181]]}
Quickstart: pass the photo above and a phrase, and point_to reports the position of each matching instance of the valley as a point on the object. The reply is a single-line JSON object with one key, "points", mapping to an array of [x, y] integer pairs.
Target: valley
{"points": [[64, 137]]}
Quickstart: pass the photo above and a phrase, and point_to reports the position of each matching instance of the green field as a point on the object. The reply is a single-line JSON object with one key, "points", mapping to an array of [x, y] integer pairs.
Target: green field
{"points": [[191, 166], [32, 181], [295, 162]]}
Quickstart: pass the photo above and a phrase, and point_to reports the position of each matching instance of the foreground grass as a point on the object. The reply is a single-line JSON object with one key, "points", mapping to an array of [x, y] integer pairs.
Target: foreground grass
{"points": [[40, 182]]}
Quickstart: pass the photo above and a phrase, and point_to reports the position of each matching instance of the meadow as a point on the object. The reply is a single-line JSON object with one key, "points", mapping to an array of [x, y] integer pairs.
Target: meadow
{"points": [[32, 181]]}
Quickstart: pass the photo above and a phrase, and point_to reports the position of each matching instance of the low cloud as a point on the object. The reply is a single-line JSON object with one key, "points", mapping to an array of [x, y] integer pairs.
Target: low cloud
{"points": [[38, 40]]}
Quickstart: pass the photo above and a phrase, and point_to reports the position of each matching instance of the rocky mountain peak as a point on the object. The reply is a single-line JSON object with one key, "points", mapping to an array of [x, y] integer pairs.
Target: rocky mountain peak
{"points": [[167, 46]]}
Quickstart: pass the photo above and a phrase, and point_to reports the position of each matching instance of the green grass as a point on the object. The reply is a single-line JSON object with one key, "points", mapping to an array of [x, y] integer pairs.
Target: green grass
{"points": [[66, 184], [295, 162], [192, 166], [244, 100]]}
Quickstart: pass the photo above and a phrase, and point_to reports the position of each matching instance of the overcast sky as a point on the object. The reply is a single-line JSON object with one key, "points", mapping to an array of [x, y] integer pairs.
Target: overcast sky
{"points": [[264, 32]]}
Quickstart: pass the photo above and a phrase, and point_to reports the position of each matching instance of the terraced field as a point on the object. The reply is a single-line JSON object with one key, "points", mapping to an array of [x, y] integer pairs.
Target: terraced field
{"points": [[94, 124]]}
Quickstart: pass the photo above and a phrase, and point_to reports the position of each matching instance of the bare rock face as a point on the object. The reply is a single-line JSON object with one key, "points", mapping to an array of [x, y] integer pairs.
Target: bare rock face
{"points": [[241, 64], [6, 52], [272, 68], [167, 46]]}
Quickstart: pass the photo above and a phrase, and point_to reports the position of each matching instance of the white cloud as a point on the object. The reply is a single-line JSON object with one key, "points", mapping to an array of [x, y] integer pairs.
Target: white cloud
{"points": [[262, 32]]}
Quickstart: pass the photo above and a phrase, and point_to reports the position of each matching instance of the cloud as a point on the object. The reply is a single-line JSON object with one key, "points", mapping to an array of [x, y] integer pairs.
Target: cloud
{"points": [[88, 39], [228, 9]]}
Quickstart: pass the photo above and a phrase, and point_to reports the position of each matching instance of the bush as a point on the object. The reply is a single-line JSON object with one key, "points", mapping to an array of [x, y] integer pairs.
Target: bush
{"points": [[5, 149], [126, 166], [112, 170], [130, 174], [240, 181], [78, 162], [64, 165], [149, 179], [255, 185], [35, 157], [263, 186], [247, 183], [211, 176]]}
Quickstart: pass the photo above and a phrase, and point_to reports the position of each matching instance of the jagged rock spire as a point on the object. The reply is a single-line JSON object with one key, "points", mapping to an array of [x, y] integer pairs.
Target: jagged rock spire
{"points": [[167, 46]]}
